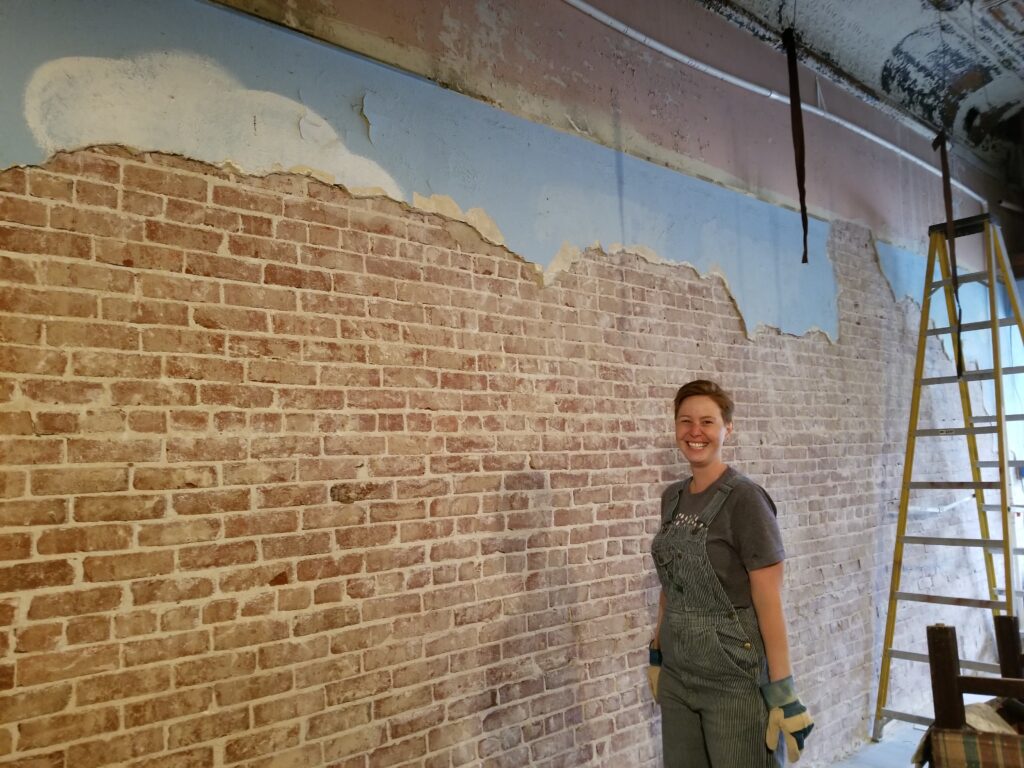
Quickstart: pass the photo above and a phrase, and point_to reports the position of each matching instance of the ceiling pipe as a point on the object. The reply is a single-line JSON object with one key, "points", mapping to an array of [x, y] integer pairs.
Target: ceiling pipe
{"points": [[739, 82]]}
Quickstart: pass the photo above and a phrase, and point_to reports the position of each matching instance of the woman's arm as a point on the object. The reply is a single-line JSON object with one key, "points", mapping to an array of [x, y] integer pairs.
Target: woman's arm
{"points": [[766, 594], [656, 643]]}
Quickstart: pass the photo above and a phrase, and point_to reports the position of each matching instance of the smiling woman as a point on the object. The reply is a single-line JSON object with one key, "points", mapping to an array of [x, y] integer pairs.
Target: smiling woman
{"points": [[720, 655]]}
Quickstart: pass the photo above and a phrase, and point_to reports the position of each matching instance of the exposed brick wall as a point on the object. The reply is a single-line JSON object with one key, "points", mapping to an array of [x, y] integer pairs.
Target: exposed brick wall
{"points": [[293, 479]]}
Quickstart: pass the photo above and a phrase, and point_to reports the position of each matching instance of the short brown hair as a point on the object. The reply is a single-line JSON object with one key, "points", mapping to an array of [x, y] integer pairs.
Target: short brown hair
{"points": [[709, 389]]}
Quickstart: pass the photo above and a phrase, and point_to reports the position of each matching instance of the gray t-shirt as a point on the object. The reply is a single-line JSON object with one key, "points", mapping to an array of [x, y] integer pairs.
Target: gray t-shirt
{"points": [[743, 537]]}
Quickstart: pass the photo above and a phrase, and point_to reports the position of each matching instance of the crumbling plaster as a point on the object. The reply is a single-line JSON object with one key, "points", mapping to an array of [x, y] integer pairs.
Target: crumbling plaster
{"points": [[552, 63], [205, 84]]}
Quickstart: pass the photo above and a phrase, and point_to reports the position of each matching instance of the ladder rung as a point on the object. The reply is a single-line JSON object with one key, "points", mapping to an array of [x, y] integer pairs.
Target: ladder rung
{"points": [[906, 717], [998, 508], [971, 225], [982, 375], [991, 419], [969, 277], [977, 666], [940, 541], [966, 485], [981, 325], [946, 432], [963, 602], [995, 464]]}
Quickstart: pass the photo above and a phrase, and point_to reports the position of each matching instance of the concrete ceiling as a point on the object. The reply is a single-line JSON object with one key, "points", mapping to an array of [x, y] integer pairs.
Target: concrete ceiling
{"points": [[957, 64]]}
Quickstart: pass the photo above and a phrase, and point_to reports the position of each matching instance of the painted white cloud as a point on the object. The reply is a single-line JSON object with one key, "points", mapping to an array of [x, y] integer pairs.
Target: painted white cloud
{"points": [[186, 104]]}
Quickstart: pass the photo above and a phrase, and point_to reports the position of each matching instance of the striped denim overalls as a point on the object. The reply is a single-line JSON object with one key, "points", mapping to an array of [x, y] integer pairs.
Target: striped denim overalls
{"points": [[712, 712]]}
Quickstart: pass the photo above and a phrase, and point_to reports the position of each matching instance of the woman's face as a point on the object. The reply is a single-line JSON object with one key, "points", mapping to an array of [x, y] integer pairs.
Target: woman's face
{"points": [[700, 431]]}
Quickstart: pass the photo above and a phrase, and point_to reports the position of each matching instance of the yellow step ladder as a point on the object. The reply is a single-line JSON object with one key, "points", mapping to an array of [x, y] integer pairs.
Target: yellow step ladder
{"points": [[1000, 600]]}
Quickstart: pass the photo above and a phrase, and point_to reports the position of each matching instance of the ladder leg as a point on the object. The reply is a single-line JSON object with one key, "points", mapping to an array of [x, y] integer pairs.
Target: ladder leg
{"points": [[997, 381], [908, 470]]}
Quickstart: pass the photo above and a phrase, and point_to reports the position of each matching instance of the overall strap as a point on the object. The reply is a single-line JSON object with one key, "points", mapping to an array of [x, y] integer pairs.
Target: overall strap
{"points": [[710, 512]]}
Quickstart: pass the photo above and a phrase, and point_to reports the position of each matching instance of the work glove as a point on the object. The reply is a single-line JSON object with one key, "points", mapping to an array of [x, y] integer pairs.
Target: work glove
{"points": [[786, 716], [653, 669]]}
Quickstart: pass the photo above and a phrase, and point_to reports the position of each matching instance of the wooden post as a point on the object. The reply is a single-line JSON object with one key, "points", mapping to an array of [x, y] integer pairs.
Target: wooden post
{"points": [[1008, 646], [944, 662]]}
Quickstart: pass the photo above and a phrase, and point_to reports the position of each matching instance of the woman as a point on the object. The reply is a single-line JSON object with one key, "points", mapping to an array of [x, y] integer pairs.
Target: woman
{"points": [[720, 664]]}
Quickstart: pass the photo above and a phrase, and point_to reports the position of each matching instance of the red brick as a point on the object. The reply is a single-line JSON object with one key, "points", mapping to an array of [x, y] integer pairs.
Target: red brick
{"points": [[260, 296], [179, 532], [47, 243], [139, 255], [97, 335], [14, 180], [170, 590], [263, 248], [201, 757], [131, 566], [169, 707], [238, 396], [179, 288], [12, 484], [32, 512], [253, 687], [122, 685], [223, 267], [339, 720], [51, 667], [281, 372], [90, 165], [166, 648], [43, 184], [314, 569], [79, 602], [20, 330], [117, 750], [31, 301], [87, 276], [233, 197], [95, 509], [263, 742], [38, 638], [151, 394], [35, 703], [115, 365], [91, 193], [190, 238], [165, 182], [212, 502], [180, 367], [216, 555], [15, 546], [206, 449], [16, 423], [209, 727], [58, 729], [275, 274], [147, 312], [36, 575], [99, 223], [88, 630], [239, 635], [213, 667], [289, 708], [153, 479], [81, 450], [19, 211], [92, 538], [63, 392]]}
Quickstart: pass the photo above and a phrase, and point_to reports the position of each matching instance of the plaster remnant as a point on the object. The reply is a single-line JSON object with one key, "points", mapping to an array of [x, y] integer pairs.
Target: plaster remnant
{"points": [[184, 103], [361, 109], [475, 217]]}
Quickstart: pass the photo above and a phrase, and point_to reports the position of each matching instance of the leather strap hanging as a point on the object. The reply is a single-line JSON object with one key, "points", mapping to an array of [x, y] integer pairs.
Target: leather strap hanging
{"points": [[797, 121], [947, 195]]}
